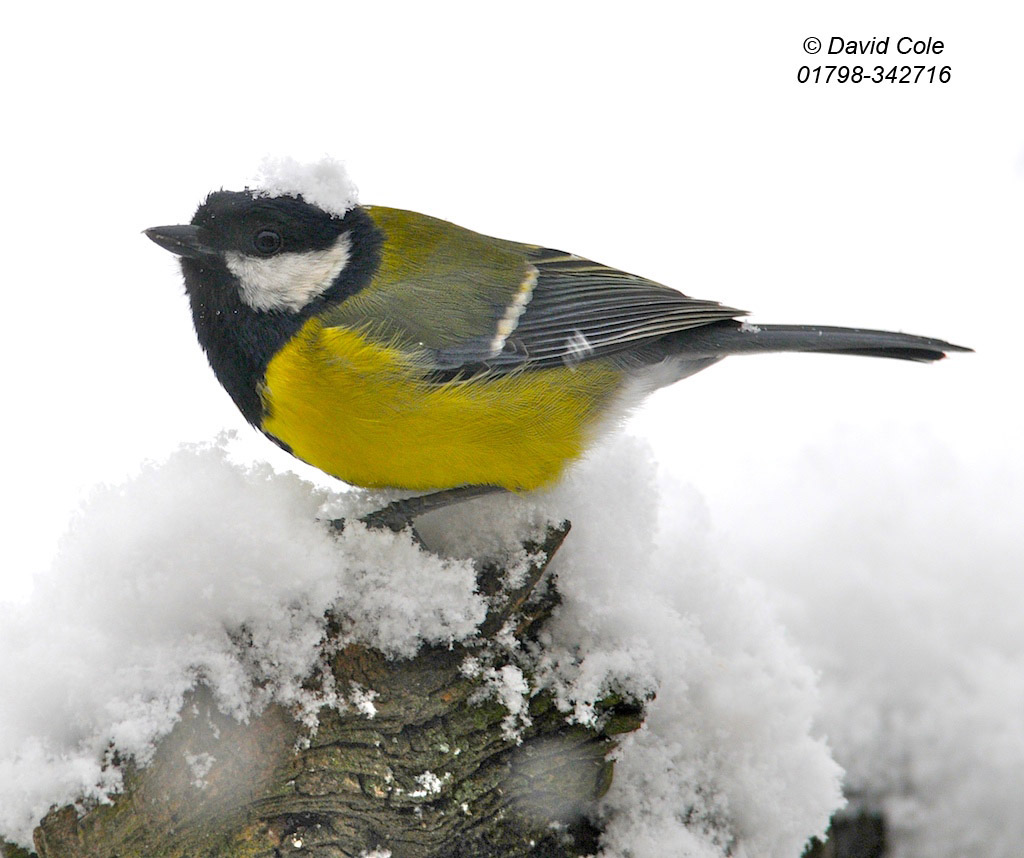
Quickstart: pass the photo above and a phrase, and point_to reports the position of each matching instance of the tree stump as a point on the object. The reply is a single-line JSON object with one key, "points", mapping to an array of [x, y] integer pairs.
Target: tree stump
{"points": [[435, 771]]}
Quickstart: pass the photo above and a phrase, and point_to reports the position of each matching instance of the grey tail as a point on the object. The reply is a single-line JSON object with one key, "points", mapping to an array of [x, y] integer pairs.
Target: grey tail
{"points": [[733, 338]]}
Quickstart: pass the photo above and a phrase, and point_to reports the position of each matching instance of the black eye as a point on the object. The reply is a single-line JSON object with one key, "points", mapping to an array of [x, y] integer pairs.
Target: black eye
{"points": [[267, 242]]}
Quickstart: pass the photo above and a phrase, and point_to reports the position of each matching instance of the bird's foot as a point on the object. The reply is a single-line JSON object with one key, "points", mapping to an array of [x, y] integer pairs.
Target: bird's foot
{"points": [[399, 515]]}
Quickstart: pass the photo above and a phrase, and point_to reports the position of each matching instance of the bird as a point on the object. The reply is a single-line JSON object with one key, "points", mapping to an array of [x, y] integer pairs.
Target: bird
{"points": [[392, 349]]}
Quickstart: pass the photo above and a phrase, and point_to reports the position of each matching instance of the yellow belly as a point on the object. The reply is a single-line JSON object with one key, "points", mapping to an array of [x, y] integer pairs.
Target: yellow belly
{"points": [[360, 413]]}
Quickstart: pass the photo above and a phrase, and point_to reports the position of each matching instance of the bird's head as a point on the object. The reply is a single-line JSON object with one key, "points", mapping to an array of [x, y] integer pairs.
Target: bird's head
{"points": [[278, 254]]}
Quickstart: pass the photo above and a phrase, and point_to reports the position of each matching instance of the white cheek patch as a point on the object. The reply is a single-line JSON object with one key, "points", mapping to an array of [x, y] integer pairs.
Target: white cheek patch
{"points": [[288, 281]]}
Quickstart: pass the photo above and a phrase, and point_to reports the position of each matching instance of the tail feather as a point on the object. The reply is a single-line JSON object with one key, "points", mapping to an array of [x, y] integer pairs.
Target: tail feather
{"points": [[730, 338]]}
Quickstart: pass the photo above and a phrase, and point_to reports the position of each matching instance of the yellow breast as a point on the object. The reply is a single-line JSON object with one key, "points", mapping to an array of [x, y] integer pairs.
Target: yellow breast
{"points": [[362, 413]]}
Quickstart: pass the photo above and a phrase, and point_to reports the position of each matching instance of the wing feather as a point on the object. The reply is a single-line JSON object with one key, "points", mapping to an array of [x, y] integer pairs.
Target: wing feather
{"points": [[464, 303]]}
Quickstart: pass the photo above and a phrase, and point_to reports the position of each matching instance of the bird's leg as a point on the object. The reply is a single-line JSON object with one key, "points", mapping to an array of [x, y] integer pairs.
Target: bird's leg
{"points": [[399, 514]]}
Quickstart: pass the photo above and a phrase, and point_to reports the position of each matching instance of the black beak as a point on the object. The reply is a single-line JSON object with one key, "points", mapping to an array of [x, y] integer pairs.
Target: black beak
{"points": [[184, 240]]}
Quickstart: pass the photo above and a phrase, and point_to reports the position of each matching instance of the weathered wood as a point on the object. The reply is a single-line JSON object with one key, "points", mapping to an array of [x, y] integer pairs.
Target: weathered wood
{"points": [[433, 773], [851, 835]]}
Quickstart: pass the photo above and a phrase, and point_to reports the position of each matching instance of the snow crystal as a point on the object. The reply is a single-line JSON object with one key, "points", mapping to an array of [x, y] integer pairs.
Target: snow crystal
{"points": [[508, 685], [430, 784], [199, 765], [362, 699], [324, 183]]}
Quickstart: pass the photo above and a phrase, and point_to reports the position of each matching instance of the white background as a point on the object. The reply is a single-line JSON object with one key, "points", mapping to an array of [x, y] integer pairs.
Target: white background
{"points": [[668, 140]]}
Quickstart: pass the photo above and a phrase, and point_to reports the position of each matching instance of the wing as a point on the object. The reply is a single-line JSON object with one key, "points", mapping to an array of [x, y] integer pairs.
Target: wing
{"points": [[465, 303]]}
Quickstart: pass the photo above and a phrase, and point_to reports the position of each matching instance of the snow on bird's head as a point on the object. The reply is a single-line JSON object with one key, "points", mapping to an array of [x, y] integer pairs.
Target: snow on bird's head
{"points": [[324, 183]]}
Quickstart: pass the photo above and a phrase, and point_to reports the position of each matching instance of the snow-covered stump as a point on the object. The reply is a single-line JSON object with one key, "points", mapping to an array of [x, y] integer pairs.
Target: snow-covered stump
{"points": [[204, 584], [436, 770]]}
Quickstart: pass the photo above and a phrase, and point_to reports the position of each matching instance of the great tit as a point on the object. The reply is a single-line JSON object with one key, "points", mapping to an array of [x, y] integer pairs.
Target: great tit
{"points": [[392, 349]]}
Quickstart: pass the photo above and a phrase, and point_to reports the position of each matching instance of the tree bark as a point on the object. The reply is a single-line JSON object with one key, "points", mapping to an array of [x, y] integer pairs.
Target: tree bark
{"points": [[433, 773], [852, 835]]}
